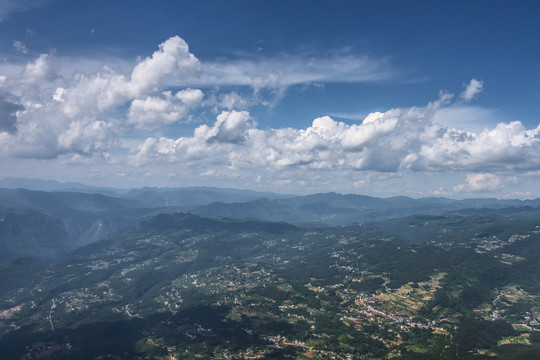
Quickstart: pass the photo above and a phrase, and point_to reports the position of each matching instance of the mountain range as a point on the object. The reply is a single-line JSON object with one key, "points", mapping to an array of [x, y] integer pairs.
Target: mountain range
{"points": [[49, 224], [220, 273]]}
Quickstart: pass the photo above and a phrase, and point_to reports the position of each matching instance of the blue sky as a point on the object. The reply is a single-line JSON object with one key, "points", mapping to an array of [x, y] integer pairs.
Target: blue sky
{"points": [[417, 98]]}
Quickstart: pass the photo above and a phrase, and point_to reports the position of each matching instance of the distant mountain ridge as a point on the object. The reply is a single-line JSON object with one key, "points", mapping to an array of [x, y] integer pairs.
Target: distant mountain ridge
{"points": [[151, 196], [53, 185], [332, 209], [47, 224], [196, 196]]}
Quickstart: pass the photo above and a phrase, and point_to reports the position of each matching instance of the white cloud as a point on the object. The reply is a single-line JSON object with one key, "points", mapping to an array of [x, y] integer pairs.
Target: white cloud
{"points": [[153, 112], [413, 139], [472, 89], [20, 47], [233, 100], [230, 127], [83, 113], [394, 141], [480, 182], [508, 146], [289, 70], [173, 65], [59, 94], [234, 140], [191, 97], [40, 70], [172, 58], [87, 137], [108, 89], [47, 111]]}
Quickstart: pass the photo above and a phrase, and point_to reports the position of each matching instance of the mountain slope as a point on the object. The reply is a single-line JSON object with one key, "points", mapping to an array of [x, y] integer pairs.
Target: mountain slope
{"points": [[48, 224], [178, 285]]}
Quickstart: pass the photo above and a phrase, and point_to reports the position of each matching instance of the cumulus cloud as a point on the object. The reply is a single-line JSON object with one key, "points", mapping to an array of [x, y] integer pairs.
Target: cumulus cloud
{"points": [[230, 127], [190, 97], [233, 100], [47, 112], [172, 58], [59, 94], [108, 89], [472, 89], [87, 136], [84, 113], [393, 141], [102, 88], [508, 146], [480, 182], [153, 112], [230, 131], [235, 140], [39, 70]]}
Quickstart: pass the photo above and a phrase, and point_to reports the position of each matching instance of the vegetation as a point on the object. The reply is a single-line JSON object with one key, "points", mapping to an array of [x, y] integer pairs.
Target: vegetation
{"points": [[183, 286]]}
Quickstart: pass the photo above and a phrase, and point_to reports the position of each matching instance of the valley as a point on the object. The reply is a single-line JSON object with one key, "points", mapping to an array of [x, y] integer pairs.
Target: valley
{"points": [[182, 286]]}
